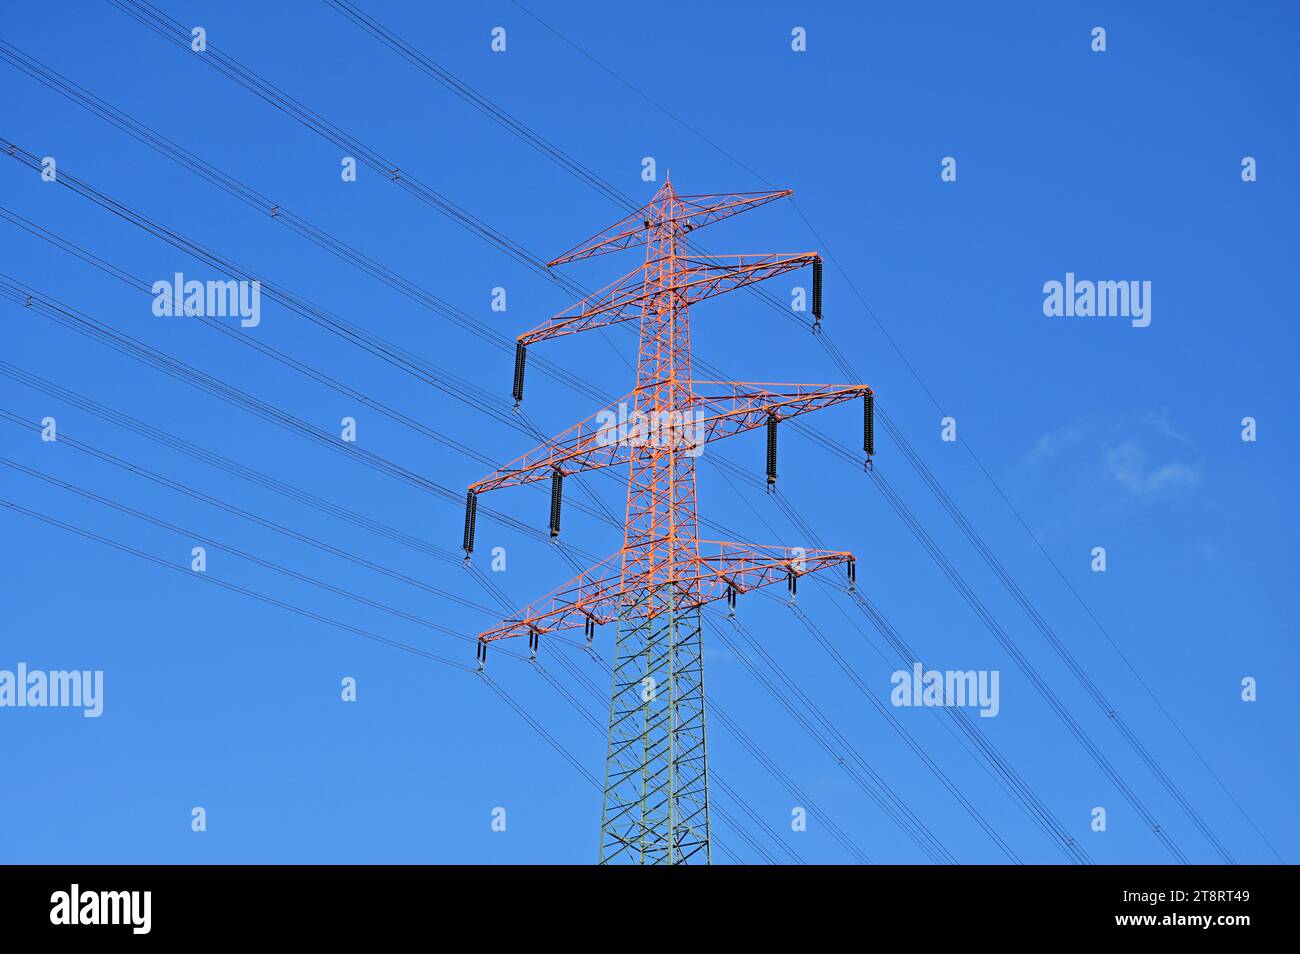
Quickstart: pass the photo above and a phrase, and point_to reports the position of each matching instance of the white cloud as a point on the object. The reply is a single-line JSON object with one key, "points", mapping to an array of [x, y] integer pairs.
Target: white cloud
{"points": [[1131, 466], [1145, 454]]}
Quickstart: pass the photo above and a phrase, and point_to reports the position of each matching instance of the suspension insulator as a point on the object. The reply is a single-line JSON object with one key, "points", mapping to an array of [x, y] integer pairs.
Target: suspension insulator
{"points": [[557, 493], [817, 290], [771, 451], [792, 583], [853, 575], [869, 423], [471, 517], [590, 630], [532, 642], [521, 356], [482, 653]]}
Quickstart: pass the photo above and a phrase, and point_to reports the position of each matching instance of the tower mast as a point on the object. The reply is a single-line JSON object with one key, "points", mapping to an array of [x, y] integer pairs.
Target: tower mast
{"points": [[656, 807]]}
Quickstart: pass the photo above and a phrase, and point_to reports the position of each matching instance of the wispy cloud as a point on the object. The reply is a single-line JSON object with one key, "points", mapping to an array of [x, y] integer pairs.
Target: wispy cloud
{"points": [[1054, 441], [1160, 423], [1145, 455], [1132, 467]]}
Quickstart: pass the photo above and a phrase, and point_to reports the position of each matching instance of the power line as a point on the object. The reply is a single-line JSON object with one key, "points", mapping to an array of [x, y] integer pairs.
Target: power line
{"points": [[1062, 651], [634, 89], [989, 766], [580, 677], [136, 469], [755, 750], [592, 721], [1023, 791], [212, 501], [137, 281], [888, 716], [1010, 647], [857, 680], [236, 588], [239, 470], [869, 781], [252, 557], [482, 103], [1155, 768], [245, 591], [28, 297], [455, 387], [601, 511], [387, 351], [56, 312], [1025, 666], [482, 402], [803, 799], [277, 212], [1016, 786], [179, 35]]}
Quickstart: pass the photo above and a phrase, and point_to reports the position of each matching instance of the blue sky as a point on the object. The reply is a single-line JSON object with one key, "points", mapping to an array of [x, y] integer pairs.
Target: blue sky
{"points": [[1122, 165]]}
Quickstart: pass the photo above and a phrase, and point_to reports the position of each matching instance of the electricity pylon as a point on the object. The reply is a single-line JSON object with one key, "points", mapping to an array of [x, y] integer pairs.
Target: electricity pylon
{"points": [[656, 806]]}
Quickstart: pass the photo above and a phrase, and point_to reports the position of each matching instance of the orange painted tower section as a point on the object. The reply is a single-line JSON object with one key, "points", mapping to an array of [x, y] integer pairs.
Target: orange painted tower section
{"points": [[656, 786]]}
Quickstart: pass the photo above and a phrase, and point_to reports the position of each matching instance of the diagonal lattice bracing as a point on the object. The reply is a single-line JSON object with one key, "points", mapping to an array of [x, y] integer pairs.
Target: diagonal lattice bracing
{"points": [[656, 803]]}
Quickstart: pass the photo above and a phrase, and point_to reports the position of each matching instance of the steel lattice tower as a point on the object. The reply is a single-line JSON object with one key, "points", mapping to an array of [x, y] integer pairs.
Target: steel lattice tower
{"points": [[656, 806]]}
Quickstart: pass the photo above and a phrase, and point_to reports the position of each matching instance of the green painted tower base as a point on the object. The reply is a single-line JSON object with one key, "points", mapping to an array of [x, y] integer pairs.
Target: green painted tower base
{"points": [[656, 809]]}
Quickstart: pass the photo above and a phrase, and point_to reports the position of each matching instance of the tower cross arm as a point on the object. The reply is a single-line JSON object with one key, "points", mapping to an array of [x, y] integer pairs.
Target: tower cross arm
{"points": [[750, 566], [723, 408], [718, 409], [594, 442], [695, 279], [596, 595], [593, 595], [696, 211]]}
